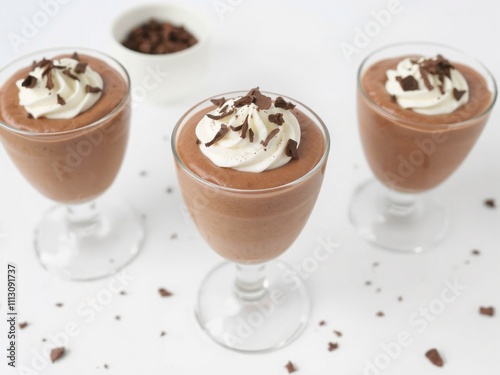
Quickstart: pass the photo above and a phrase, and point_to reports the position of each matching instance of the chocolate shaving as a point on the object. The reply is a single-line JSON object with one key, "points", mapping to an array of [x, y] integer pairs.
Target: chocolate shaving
{"points": [[75, 56], [29, 115], [218, 136], [322, 323], [23, 325], [435, 358], [425, 78], [244, 100], [409, 83], [47, 69], [92, 90], [198, 142], [221, 116], [290, 367], [332, 346], [488, 311], [218, 102], [80, 68], [244, 128], [282, 103], [270, 136], [261, 101], [276, 118], [291, 149], [56, 353], [70, 75], [164, 292], [476, 252], [43, 62], [380, 314], [60, 100], [250, 135], [50, 82], [338, 333], [490, 203], [29, 82], [457, 94], [236, 128]]}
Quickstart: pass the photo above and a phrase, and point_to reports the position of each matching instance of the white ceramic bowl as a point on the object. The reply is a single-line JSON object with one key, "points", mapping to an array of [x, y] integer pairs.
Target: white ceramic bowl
{"points": [[165, 77]]}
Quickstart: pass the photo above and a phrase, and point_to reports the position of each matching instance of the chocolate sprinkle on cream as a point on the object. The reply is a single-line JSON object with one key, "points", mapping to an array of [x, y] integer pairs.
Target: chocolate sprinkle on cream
{"points": [[56, 353], [218, 136], [92, 90], [221, 116], [276, 118], [270, 136], [218, 102], [244, 100], [244, 128], [43, 62], [60, 100], [164, 293], [250, 135], [435, 358], [30, 116], [261, 101], [457, 94], [50, 82], [291, 149], [408, 83], [332, 346], [29, 82], [236, 128], [488, 311], [290, 367], [70, 75], [80, 68], [75, 56], [425, 78], [490, 203], [282, 103]]}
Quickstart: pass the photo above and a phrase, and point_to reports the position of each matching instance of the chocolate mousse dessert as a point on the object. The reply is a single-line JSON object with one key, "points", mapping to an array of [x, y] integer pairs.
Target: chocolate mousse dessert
{"points": [[250, 169], [65, 122], [419, 117]]}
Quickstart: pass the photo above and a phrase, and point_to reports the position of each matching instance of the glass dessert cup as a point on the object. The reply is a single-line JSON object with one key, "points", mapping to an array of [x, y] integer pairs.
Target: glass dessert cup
{"points": [[80, 238], [409, 157], [251, 304]]}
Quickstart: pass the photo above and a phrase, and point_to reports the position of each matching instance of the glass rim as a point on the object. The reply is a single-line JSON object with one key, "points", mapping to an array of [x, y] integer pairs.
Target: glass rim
{"points": [[391, 116], [84, 50], [297, 181]]}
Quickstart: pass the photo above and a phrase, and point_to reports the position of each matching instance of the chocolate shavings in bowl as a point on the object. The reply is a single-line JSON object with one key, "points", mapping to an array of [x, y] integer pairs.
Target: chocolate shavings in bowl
{"points": [[270, 136], [282, 103], [221, 116], [276, 118], [291, 149], [29, 82], [435, 358], [218, 136]]}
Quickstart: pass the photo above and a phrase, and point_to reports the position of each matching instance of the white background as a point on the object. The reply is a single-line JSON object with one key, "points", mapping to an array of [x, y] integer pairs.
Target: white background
{"points": [[291, 47]]}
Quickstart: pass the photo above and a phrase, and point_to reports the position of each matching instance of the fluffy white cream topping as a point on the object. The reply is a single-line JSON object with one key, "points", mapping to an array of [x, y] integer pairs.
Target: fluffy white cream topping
{"points": [[247, 137], [60, 89], [428, 86]]}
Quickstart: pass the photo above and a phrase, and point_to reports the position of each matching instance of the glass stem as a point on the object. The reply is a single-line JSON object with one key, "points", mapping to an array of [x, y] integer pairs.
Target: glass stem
{"points": [[250, 284], [83, 218], [400, 204]]}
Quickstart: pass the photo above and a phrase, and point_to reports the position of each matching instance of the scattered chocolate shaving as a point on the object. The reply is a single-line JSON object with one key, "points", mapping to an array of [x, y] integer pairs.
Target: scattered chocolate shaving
{"points": [[338, 333], [59, 304], [23, 325], [394, 99], [236, 128], [244, 128], [380, 314], [409, 83], [60, 100], [80, 68], [29, 82], [219, 135], [50, 82], [276, 118], [489, 311], [162, 333], [425, 78], [435, 358], [43, 62], [47, 69], [29, 115], [322, 323], [75, 56], [261, 101], [270, 136], [441, 89], [164, 292], [291, 149], [457, 94], [70, 75], [282, 103], [198, 142], [332, 346], [250, 135], [220, 116], [244, 100], [476, 252], [56, 353], [92, 90], [218, 102], [290, 367], [490, 203]]}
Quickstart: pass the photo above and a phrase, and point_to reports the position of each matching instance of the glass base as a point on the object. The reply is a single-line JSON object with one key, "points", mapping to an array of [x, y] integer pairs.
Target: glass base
{"points": [[89, 249], [397, 221], [272, 320]]}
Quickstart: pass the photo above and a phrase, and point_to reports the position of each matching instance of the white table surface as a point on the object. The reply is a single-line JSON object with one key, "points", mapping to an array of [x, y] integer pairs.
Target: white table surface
{"points": [[291, 47]]}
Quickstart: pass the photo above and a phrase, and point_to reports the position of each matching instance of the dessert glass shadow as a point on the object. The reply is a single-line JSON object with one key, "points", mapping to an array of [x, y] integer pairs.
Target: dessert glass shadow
{"points": [[73, 161], [410, 144], [253, 302]]}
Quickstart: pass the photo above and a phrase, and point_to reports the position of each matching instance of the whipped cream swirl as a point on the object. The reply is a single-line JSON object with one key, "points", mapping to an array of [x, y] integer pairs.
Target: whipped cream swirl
{"points": [[60, 89], [429, 86], [250, 137]]}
